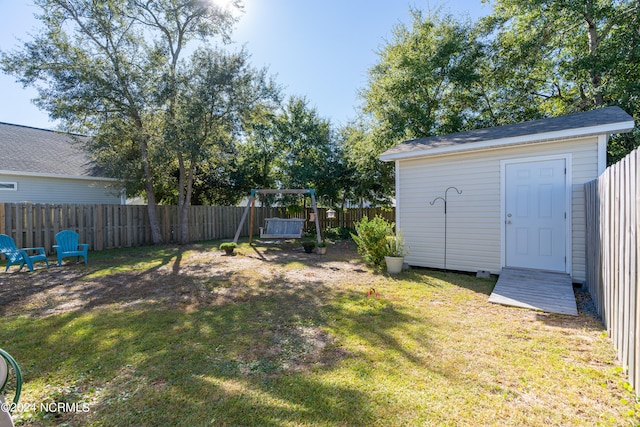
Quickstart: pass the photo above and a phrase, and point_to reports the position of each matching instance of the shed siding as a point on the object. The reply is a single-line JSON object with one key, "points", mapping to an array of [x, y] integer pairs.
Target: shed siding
{"points": [[60, 190], [473, 218]]}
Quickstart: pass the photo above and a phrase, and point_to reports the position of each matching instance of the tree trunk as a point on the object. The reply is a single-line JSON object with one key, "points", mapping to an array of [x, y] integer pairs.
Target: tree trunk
{"points": [[187, 202], [185, 187], [595, 75], [154, 222], [183, 218]]}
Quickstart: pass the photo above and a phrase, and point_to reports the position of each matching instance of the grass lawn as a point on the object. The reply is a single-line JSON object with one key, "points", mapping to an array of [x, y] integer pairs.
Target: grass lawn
{"points": [[186, 336]]}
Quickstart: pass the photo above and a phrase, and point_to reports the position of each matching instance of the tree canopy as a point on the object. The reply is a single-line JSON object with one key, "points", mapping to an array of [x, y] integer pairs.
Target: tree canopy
{"points": [[560, 57], [529, 59], [114, 70], [181, 120], [425, 81]]}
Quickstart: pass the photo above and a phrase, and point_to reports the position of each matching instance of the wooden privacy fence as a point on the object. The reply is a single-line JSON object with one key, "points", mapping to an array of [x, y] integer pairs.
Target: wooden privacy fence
{"points": [[115, 226], [613, 226]]}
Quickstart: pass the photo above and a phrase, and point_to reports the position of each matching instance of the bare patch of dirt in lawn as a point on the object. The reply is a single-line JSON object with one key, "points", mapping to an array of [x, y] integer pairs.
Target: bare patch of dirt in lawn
{"points": [[190, 276], [198, 275], [290, 285]]}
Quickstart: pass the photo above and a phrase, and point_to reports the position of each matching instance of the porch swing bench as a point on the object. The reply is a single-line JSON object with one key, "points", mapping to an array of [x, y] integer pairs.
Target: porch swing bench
{"points": [[282, 228], [279, 228]]}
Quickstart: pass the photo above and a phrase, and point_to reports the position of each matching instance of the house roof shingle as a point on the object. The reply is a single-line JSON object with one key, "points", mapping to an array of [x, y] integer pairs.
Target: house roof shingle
{"points": [[602, 120], [44, 152]]}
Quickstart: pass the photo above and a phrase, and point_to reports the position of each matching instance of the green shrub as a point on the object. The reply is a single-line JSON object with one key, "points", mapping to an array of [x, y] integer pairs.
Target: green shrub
{"points": [[227, 246], [371, 239], [339, 233], [395, 246], [308, 245]]}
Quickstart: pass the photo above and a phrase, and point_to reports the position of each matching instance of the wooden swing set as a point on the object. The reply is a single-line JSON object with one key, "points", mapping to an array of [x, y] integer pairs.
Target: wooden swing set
{"points": [[278, 228]]}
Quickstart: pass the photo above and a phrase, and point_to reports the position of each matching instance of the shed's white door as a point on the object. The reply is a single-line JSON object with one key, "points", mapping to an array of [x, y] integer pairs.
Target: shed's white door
{"points": [[535, 223]]}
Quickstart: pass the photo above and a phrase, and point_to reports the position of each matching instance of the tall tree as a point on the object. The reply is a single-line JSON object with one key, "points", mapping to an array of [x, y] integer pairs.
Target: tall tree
{"points": [[259, 152], [557, 57], [215, 93], [307, 146], [98, 65], [427, 82], [365, 176], [425, 79], [173, 24]]}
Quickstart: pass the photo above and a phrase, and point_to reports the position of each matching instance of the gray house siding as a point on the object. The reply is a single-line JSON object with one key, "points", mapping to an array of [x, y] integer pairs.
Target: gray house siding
{"points": [[36, 189], [43, 166]]}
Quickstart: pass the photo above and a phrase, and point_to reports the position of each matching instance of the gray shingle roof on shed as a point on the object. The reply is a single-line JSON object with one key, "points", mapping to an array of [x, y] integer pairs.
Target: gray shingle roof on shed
{"points": [[40, 151], [589, 119]]}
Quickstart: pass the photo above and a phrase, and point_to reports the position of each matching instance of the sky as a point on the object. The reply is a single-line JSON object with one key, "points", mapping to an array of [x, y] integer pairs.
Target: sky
{"points": [[317, 49]]}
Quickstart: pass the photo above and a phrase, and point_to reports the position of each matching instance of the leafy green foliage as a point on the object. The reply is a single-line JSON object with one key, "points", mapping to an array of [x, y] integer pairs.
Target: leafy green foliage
{"points": [[372, 239], [308, 153], [558, 57], [258, 152], [339, 233], [425, 80], [218, 93], [395, 246], [365, 176], [527, 60]]}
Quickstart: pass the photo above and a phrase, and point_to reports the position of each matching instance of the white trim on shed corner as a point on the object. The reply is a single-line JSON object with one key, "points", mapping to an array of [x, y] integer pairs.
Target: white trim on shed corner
{"points": [[523, 139], [567, 157], [397, 196], [602, 153]]}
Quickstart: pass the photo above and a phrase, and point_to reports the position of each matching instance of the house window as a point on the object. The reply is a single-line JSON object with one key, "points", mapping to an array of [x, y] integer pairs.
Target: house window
{"points": [[8, 186]]}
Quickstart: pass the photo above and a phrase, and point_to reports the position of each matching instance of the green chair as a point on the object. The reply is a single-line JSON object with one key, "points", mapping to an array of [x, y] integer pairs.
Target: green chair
{"points": [[67, 245], [8, 364], [20, 256]]}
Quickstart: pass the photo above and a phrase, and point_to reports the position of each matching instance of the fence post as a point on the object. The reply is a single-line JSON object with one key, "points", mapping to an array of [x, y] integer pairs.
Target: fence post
{"points": [[614, 228], [2, 218], [99, 227]]}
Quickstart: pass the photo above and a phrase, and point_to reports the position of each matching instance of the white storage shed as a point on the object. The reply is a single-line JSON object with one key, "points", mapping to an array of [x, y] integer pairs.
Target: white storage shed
{"points": [[521, 201]]}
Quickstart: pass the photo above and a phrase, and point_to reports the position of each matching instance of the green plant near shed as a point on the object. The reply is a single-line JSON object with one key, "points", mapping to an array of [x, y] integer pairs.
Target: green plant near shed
{"points": [[371, 237], [228, 247], [395, 246], [308, 245]]}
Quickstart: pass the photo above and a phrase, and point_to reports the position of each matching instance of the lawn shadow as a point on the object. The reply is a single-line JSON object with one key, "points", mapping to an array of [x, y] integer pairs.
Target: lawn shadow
{"points": [[579, 322], [73, 287], [461, 279], [285, 251], [186, 338], [379, 322], [585, 320], [244, 361]]}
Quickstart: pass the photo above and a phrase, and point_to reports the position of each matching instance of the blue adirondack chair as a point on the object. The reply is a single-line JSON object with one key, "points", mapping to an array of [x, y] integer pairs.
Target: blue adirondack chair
{"points": [[20, 256], [67, 245]]}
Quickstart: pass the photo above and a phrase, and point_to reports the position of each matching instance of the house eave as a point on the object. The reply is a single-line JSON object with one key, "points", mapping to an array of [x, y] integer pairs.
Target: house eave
{"points": [[608, 129], [57, 176]]}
